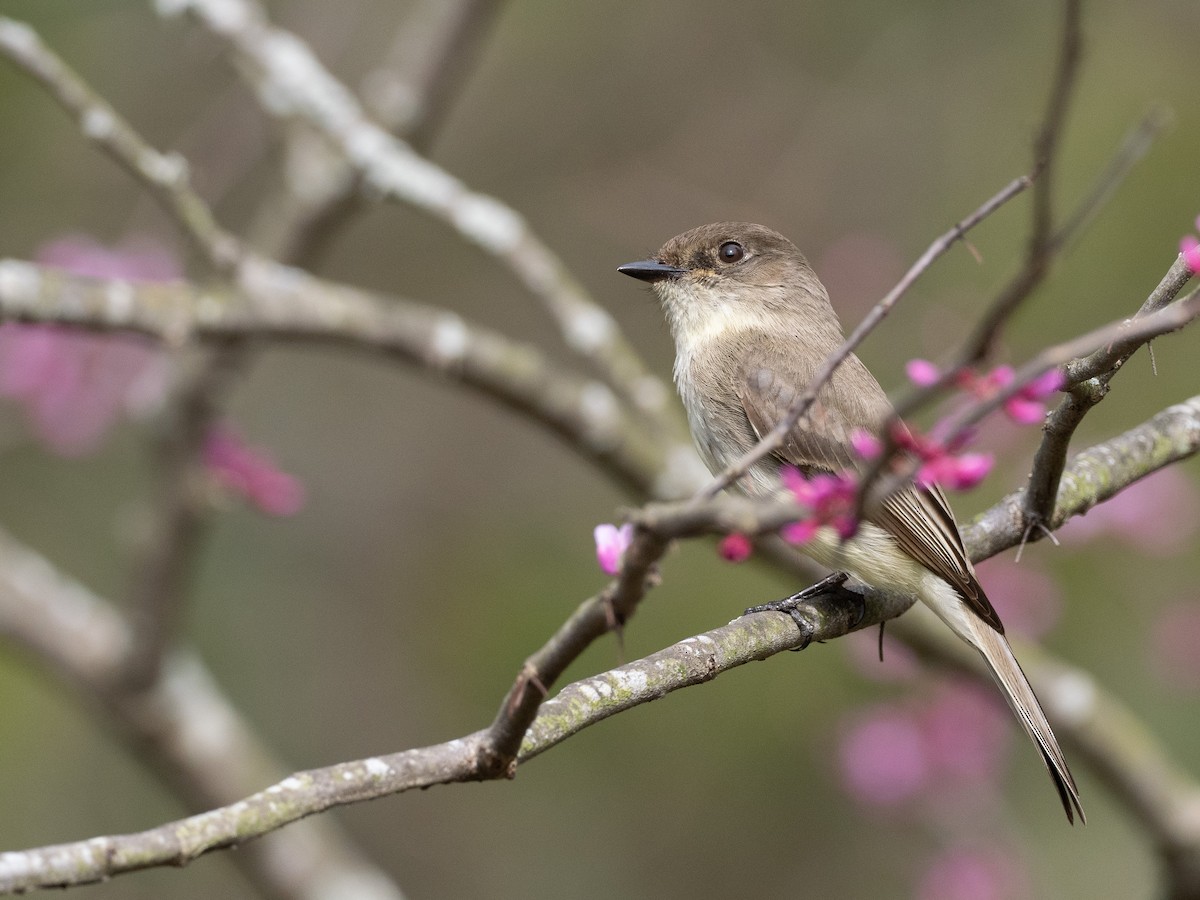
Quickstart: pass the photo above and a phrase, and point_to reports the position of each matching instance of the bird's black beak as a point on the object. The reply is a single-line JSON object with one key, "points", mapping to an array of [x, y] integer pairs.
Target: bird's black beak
{"points": [[650, 270]]}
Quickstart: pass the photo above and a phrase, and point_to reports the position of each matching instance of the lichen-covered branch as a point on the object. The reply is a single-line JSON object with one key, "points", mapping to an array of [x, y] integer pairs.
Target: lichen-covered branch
{"points": [[1176, 432], [181, 721]]}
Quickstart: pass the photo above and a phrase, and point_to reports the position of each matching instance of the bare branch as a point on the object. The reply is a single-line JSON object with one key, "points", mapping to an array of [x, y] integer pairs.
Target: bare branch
{"points": [[1094, 475], [434, 49], [164, 175], [182, 722], [292, 83], [278, 303], [1087, 380], [1044, 242]]}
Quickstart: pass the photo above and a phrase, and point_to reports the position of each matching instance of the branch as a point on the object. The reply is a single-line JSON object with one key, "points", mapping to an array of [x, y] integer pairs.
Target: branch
{"points": [[292, 84], [434, 49], [1044, 242], [278, 303], [1087, 379], [692, 661], [182, 723], [164, 175], [1095, 475]]}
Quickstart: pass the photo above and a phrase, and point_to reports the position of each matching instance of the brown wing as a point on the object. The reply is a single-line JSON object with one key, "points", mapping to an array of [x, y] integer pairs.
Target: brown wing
{"points": [[918, 519]]}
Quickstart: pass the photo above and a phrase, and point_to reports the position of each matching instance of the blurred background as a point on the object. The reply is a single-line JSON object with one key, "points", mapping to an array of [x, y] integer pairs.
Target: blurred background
{"points": [[443, 539]]}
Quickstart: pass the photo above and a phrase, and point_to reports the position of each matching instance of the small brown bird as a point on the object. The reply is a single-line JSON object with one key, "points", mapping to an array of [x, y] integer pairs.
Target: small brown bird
{"points": [[752, 324]]}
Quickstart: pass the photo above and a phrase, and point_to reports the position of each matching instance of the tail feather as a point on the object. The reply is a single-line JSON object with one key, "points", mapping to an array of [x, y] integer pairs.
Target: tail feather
{"points": [[994, 649]]}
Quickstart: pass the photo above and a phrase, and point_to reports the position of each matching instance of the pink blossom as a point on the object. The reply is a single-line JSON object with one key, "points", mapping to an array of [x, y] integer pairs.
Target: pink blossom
{"points": [[1190, 248], [882, 757], [940, 462], [964, 873], [830, 499], [1027, 406], [986, 386], [1157, 515], [1174, 638], [250, 473], [611, 544], [865, 444], [74, 385], [800, 532], [958, 473], [735, 548], [922, 372]]}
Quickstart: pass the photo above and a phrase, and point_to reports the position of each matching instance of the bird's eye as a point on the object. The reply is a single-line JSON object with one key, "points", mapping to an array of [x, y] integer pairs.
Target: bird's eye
{"points": [[731, 252]]}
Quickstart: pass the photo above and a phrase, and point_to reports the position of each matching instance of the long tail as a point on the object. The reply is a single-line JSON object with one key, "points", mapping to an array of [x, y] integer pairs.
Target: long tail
{"points": [[994, 649]]}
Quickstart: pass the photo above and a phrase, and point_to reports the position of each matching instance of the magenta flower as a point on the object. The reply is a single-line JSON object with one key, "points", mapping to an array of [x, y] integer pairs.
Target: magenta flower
{"points": [[611, 544], [922, 372], [958, 473], [942, 463], [830, 500], [1189, 246], [74, 385], [735, 548], [1026, 407], [250, 473], [865, 444]]}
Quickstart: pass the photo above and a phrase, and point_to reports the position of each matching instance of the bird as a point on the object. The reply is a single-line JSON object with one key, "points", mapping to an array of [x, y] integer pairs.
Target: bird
{"points": [[752, 323]]}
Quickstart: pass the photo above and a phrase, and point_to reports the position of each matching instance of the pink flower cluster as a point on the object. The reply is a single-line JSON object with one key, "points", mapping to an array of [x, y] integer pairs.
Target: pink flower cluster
{"points": [[250, 473], [75, 385], [940, 463], [830, 499], [1189, 246], [1025, 407]]}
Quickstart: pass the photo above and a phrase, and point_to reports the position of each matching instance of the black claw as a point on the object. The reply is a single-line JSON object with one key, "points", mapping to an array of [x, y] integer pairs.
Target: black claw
{"points": [[792, 605]]}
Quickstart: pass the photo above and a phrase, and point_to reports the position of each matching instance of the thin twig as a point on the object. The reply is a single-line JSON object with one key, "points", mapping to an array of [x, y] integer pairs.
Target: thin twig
{"points": [[1044, 242], [165, 175], [1087, 384], [291, 83]]}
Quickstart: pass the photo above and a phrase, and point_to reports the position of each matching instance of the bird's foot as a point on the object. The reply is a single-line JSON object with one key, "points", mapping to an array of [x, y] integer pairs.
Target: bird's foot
{"points": [[794, 605]]}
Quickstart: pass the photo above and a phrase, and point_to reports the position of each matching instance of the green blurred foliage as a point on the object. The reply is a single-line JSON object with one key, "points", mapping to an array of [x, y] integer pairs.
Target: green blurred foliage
{"points": [[444, 539]]}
